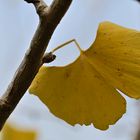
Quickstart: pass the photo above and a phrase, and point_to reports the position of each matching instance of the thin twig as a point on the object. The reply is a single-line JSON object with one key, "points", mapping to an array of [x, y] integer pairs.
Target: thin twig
{"points": [[49, 19]]}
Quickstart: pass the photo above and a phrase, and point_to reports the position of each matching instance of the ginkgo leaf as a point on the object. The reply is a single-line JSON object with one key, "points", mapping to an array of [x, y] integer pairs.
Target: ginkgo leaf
{"points": [[84, 91], [12, 133], [77, 93], [115, 54]]}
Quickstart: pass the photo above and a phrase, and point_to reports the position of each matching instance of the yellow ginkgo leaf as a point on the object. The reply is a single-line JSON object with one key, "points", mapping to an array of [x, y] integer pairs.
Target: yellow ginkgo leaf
{"points": [[84, 92], [77, 93], [12, 133], [115, 54]]}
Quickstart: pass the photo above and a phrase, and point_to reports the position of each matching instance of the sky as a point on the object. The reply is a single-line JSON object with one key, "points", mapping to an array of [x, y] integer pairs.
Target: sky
{"points": [[18, 24]]}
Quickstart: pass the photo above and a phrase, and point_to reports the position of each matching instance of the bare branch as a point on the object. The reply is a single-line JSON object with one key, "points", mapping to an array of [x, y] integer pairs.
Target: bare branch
{"points": [[49, 19]]}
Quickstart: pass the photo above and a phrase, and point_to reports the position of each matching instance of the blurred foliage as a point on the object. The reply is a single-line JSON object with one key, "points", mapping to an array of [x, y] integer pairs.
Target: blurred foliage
{"points": [[10, 132]]}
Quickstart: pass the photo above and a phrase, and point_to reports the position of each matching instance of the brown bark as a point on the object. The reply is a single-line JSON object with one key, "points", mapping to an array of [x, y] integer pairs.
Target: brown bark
{"points": [[49, 19]]}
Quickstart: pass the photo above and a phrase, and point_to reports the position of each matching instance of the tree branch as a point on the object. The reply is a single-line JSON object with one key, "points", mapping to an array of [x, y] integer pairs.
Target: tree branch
{"points": [[49, 19]]}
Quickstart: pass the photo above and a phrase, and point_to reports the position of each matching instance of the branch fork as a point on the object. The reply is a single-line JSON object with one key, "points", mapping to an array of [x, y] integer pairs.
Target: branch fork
{"points": [[40, 6]]}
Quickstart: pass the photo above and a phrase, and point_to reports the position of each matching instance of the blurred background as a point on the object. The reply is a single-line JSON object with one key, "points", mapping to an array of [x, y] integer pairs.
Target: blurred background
{"points": [[18, 23]]}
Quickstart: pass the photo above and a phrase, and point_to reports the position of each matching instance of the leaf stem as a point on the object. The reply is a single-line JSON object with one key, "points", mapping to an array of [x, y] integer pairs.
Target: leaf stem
{"points": [[66, 43]]}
